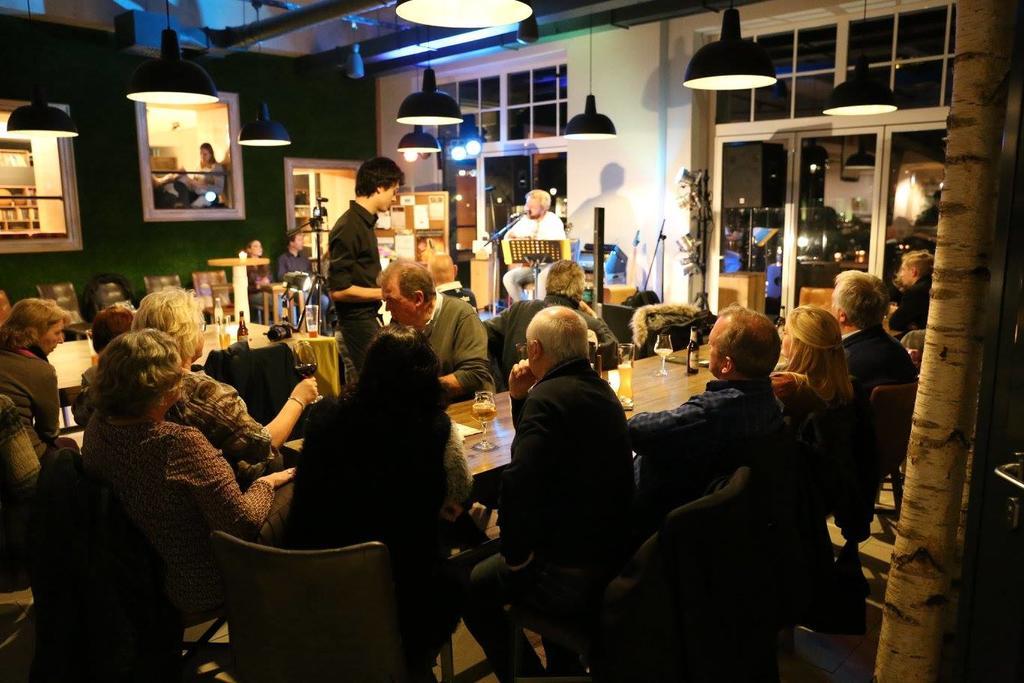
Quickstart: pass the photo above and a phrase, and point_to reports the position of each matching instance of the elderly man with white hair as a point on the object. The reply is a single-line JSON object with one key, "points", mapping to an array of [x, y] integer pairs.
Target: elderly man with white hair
{"points": [[565, 496], [537, 223]]}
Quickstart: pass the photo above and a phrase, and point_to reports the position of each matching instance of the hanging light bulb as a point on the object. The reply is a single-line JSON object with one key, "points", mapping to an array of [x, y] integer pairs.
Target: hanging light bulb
{"points": [[418, 142], [860, 95], [39, 119], [590, 125], [730, 63], [429, 106], [410, 156], [170, 79], [264, 132], [354, 67], [463, 13]]}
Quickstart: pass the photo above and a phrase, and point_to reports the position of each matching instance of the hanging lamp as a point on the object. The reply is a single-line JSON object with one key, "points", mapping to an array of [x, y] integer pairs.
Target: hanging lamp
{"points": [[39, 119], [419, 142], [590, 125], [170, 79], [354, 67], [528, 32], [429, 106], [730, 63], [860, 95], [861, 160], [463, 13], [264, 131]]}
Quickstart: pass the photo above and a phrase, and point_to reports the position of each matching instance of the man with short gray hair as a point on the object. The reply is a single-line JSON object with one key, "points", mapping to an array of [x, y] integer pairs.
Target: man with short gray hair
{"points": [[565, 497], [859, 303]]}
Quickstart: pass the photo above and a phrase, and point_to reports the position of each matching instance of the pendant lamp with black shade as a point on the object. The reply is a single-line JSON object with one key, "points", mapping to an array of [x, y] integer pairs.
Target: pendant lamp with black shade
{"points": [[419, 142], [39, 119], [264, 131], [429, 106], [590, 125], [463, 13], [861, 160], [860, 95], [528, 32], [170, 79], [730, 63], [354, 66]]}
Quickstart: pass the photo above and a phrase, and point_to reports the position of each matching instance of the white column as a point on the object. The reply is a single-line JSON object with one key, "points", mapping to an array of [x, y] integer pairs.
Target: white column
{"points": [[240, 282]]}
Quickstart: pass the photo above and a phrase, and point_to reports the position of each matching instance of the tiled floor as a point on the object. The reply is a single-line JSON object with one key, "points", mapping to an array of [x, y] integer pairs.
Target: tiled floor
{"points": [[844, 659]]}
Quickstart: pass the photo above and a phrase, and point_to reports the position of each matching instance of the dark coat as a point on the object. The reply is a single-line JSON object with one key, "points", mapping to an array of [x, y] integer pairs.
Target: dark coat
{"points": [[567, 492], [263, 377], [912, 313], [875, 358]]}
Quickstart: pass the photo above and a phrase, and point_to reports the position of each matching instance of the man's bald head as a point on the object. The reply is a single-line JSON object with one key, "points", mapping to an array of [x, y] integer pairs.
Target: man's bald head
{"points": [[442, 269], [555, 335]]}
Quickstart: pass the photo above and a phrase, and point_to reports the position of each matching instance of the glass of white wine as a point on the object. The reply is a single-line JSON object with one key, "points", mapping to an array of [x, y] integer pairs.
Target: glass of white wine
{"points": [[484, 411], [663, 347]]}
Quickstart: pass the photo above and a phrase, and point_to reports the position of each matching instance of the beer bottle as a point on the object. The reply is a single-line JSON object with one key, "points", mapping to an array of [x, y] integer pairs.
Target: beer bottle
{"points": [[243, 331], [693, 353]]}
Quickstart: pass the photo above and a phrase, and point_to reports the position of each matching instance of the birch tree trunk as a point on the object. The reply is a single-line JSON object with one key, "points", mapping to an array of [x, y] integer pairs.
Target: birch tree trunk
{"points": [[910, 642]]}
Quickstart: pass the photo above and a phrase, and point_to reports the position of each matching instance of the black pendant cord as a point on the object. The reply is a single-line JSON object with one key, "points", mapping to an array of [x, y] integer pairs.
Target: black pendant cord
{"points": [[167, 11], [590, 68]]}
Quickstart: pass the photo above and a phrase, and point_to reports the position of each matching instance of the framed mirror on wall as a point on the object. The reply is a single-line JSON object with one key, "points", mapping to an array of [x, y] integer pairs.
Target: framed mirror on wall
{"points": [[190, 162], [38, 191]]}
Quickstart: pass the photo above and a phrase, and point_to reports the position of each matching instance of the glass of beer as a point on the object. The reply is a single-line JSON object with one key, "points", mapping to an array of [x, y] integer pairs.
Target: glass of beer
{"points": [[626, 376], [484, 411], [223, 334], [663, 347], [313, 320]]}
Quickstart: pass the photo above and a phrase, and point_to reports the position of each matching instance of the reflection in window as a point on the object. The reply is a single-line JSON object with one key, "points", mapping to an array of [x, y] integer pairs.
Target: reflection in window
{"points": [[32, 196], [918, 84], [189, 155]]}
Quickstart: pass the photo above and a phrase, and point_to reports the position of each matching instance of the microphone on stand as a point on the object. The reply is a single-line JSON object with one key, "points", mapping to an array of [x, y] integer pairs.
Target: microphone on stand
{"points": [[508, 226]]}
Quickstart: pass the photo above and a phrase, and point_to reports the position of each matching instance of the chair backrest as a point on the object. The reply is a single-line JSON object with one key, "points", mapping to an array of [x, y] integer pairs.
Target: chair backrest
{"points": [[820, 297], [110, 294], [202, 283], [154, 283], [618, 319], [302, 615], [5, 307], [64, 294], [892, 407]]}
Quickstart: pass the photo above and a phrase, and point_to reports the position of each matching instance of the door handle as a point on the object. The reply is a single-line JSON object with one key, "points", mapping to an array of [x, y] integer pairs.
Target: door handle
{"points": [[1013, 472]]}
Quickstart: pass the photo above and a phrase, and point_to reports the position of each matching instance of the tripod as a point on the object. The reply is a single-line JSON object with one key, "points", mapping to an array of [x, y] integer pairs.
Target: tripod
{"points": [[318, 283]]}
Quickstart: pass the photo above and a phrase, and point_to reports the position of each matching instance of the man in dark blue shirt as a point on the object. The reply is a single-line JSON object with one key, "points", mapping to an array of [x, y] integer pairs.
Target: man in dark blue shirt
{"points": [[681, 451], [293, 260]]}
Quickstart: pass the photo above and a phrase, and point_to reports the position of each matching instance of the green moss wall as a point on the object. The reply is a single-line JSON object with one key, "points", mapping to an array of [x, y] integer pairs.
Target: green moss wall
{"points": [[327, 115]]}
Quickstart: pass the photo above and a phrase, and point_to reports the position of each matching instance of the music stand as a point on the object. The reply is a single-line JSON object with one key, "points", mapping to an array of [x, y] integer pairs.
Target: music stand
{"points": [[535, 253]]}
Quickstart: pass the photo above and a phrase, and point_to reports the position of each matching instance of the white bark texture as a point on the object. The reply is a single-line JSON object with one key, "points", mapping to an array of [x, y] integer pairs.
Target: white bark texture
{"points": [[910, 642]]}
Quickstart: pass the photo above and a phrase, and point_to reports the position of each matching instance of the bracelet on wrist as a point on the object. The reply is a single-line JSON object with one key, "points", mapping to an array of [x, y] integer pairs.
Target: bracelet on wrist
{"points": [[301, 404]]}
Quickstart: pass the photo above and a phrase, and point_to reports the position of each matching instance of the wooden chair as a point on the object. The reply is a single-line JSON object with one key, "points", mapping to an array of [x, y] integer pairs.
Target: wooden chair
{"points": [[209, 284], [892, 408], [154, 283], [64, 294], [820, 297], [303, 615], [5, 307]]}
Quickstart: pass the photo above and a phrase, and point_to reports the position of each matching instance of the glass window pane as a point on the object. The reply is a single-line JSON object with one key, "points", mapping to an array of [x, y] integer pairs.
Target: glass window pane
{"points": [[490, 92], [469, 94], [834, 217], [563, 117], [772, 102], [812, 94], [877, 73], [921, 34], [545, 84], [816, 49], [952, 31], [490, 125], [780, 48], [872, 38], [519, 88], [917, 84], [518, 123], [449, 132], [949, 84], [563, 82], [450, 88], [912, 214], [544, 125], [732, 106]]}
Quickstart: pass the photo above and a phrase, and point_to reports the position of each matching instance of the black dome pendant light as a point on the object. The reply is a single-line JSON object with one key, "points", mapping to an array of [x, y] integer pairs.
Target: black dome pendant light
{"points": [[463, 13], [861, 160], [860, 95], [590, 125], [170, 79], [419, 142], [263, 132], [39, 119], [730, 63], [429, 106]]}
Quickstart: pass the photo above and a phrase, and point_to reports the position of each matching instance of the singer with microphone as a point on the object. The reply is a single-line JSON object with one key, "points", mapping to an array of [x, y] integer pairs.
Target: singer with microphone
{"points": [[536, 223]]}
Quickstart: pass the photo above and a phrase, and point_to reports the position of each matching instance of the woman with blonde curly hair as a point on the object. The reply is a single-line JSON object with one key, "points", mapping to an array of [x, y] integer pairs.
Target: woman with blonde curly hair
{"points": [[816, 375], [31, 333]]}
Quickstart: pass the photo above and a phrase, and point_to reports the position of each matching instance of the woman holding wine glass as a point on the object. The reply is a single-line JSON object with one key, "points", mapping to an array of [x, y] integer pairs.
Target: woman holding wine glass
{"points": [[305, 362], [382, 463]]}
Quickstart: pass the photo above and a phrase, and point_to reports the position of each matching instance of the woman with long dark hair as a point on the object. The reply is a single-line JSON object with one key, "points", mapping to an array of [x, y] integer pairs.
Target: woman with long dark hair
{"points": [[378, 464]]}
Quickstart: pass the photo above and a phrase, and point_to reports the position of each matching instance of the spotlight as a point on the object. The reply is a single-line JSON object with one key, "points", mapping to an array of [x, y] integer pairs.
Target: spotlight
{"points": [[473, 147], [458, 153], [210, 196]]}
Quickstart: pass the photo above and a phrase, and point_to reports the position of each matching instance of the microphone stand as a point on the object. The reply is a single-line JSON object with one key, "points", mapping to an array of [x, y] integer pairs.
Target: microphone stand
{"points": [[657, 245], [495, 267]]}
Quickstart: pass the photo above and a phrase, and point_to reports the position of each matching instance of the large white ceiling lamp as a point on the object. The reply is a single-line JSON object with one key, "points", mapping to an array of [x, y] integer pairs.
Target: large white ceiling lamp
{"points": [[463, 13]]}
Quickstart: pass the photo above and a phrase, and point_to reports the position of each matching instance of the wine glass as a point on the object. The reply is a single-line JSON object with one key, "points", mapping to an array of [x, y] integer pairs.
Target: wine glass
{"points": [[484, 411], [663, 347], [305, 361]]}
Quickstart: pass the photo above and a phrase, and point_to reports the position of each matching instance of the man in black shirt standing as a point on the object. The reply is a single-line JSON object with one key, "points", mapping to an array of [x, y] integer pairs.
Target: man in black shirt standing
{"points": [[355, 263]]}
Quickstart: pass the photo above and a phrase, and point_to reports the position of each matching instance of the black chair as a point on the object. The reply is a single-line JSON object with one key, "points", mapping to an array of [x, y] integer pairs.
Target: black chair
{"points": [[306, 615], [690, 605], [619, 319], [64, 294], [103, 291], [154, 283]]}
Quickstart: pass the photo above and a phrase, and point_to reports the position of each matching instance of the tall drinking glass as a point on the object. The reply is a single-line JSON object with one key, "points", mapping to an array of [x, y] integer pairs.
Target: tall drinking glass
{"points": [[626, 376], [663, 347], [484, 411], [313, 320]]}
